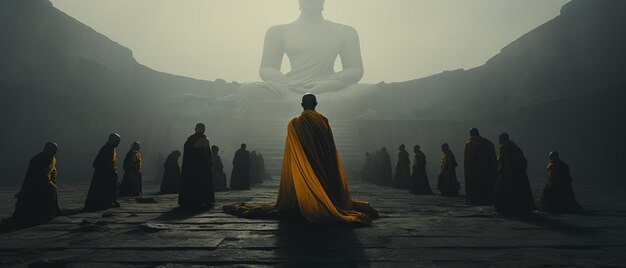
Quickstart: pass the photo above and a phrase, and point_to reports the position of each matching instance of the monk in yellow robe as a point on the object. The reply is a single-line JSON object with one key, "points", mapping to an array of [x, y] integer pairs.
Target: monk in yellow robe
{"points": [[131, 181], [403, 169], [447, 183], [37, 201], [313, 182], [419, 178], [103, 189], [558, 194], [512, 196]]}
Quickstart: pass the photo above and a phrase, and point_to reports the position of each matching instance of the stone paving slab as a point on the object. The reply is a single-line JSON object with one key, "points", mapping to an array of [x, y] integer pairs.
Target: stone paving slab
{"points": [[423, 231]]}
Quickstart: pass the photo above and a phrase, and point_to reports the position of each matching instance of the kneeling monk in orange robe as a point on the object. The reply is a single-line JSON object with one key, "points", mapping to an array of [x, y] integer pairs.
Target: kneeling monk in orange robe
{"points": [[312, 182]]}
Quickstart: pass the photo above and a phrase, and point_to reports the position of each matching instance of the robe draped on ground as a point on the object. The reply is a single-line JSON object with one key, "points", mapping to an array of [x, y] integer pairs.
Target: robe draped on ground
{"points": [[447, 183], [558, 194], [103, 189], [419, 179], [171, 175], [131, 181], [38, 201], [240, 176], [196, 186], [219, 177], [313, 182], [481, 171], [513, 196], [403, 171]]}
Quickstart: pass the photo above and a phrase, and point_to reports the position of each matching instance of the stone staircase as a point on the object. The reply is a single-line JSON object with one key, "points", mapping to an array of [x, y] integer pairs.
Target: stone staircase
{"points": [[268, 137]]}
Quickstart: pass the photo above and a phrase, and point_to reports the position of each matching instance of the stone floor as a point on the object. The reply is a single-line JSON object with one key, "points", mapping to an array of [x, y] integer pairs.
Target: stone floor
{"points": [[413, 231]]}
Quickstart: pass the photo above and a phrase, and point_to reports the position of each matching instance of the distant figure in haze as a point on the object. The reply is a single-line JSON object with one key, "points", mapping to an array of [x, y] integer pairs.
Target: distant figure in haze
{"points": [[171, 174], [131, 181], [312, 183], [481, 169], [240, 176], [262, 170], [312, 45], [196, 187], [419, 180], [255, 169], [219, 177], [513, 196], [103, 189], [558, 194], [403, 169], [366, 171], [38, 201], [447, 183], [382, 171]]}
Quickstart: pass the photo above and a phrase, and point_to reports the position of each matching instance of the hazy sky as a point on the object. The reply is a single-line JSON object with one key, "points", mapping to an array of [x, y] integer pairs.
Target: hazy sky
{"points": [[400, 39]]}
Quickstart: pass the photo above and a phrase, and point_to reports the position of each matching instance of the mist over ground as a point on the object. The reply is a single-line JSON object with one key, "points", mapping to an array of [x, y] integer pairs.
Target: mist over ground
{"points": [[557, 86]]}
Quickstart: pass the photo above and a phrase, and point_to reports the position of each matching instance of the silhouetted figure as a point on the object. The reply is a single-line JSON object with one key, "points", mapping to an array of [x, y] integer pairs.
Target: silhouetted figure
{"points": [[513, 196], [313, 183], [382, 170], [255, 169], [366, 171], [103, 189], [219, 177], [240, 176], [558, 194], [481, 169], [419, 180], [447, 183], [171, 174], [38, 201], [262, 170], [196, 186], [131, 181], [403, 169]]}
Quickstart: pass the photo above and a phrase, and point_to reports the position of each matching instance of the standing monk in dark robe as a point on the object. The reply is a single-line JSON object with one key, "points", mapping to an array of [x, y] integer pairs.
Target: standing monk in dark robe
{"points": [[219, 177], [558, 194], [313, 182], [196, 186], [447, 183], [383, 172], [367, 168], [481, 169], [38, 201], [266, 175], [255, 170], [240, 176], [419, 179], [171, 174], [103, 189], [131, 181], [403, 169], [513, 196]]}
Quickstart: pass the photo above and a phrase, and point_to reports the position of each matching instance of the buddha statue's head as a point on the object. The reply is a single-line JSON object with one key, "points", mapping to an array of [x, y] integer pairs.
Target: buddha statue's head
{"points": [[312, 5]]}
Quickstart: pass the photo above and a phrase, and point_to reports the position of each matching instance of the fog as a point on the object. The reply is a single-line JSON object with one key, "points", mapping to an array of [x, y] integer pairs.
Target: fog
{"points": [[211, 39]]}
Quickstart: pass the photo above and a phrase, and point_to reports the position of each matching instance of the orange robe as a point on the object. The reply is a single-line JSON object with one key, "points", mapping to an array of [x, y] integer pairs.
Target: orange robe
{"points": [[38, 201], [131, 181], [103, 189], [447, 183], [558, 194], [313, 182]]}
